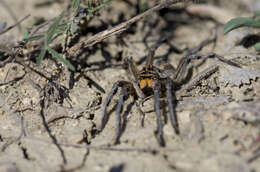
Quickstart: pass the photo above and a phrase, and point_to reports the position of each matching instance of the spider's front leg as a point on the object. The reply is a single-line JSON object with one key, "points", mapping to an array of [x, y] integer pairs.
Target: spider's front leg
{"points": [[171, 106], [108, 100], [119, 108], [157, 88], [127, 89], [180, 71], [131, 66]]}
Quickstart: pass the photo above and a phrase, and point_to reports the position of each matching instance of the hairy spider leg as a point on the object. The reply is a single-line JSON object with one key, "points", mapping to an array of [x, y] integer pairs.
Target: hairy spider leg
{"points": [[134, 78], [178, 75], [108, 99], [157, 87], [149, 61], [213, 55], [119, 108], [202, 75], [171, 106], [180, 71], [132, 67]]}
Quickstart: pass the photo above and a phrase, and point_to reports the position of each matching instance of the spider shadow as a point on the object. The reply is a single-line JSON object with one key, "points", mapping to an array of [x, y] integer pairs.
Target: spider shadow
{"points": [[91, 82], [81, 65], [117, 168]]}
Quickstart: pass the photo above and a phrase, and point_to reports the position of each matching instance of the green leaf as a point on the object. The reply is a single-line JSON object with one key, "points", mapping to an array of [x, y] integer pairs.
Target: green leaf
{"points": [[257, 46], [33, 38], [75, 4], [25, 34], [62, 27], [40, 58], [89, 5], [240, 22], [59, 57], [51, 31]]}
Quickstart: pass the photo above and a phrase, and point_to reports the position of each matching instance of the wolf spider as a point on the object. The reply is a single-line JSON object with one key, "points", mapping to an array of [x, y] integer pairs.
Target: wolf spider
{"points": [[152, 81]]}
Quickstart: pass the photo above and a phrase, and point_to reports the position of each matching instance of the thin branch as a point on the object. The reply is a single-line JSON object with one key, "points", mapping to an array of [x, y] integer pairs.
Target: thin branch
{"points": [[119, 28], [73, 115], [103, 148], [16, 24], [10, 11]]}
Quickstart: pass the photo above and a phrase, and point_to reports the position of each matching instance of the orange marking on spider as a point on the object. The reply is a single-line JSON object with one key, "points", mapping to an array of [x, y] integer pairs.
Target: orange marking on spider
{"points": [[147, 82]]}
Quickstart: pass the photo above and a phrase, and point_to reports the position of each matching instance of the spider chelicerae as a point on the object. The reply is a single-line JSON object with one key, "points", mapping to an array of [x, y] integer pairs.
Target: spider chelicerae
{"points": [[152, 81]]}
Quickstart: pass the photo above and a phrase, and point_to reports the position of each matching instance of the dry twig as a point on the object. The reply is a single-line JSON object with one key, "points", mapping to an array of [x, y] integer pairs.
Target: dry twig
{"points": [[119, 28], [16, 24], [102, 148]]}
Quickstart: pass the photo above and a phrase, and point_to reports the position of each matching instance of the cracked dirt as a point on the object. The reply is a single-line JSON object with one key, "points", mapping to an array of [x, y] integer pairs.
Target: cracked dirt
{"points": [[218, 118]]}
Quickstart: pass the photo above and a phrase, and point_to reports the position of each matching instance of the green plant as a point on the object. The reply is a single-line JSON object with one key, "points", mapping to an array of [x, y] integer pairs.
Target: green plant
{"points": [[58, 28], [244, 22], [48, 37]]}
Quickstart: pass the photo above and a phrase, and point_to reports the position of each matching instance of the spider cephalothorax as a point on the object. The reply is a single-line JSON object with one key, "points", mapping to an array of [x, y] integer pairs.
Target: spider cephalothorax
{"points": [[152, 81]]}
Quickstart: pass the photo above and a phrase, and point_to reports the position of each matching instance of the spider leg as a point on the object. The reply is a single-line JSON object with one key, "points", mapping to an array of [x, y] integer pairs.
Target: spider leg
{"points": [[149, 61], [134, 78], [107, 101], [119, 108], [157, 86], [171, 106], [203, 44], [212, 55], [179, 73], [197, 79]]}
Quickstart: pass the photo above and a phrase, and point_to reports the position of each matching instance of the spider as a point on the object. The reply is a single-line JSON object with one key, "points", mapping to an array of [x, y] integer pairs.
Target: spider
{"points": [[151, 81]]}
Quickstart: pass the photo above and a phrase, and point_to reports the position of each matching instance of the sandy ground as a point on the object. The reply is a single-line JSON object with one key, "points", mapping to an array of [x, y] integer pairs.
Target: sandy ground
{"points": [[218, 118]]}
